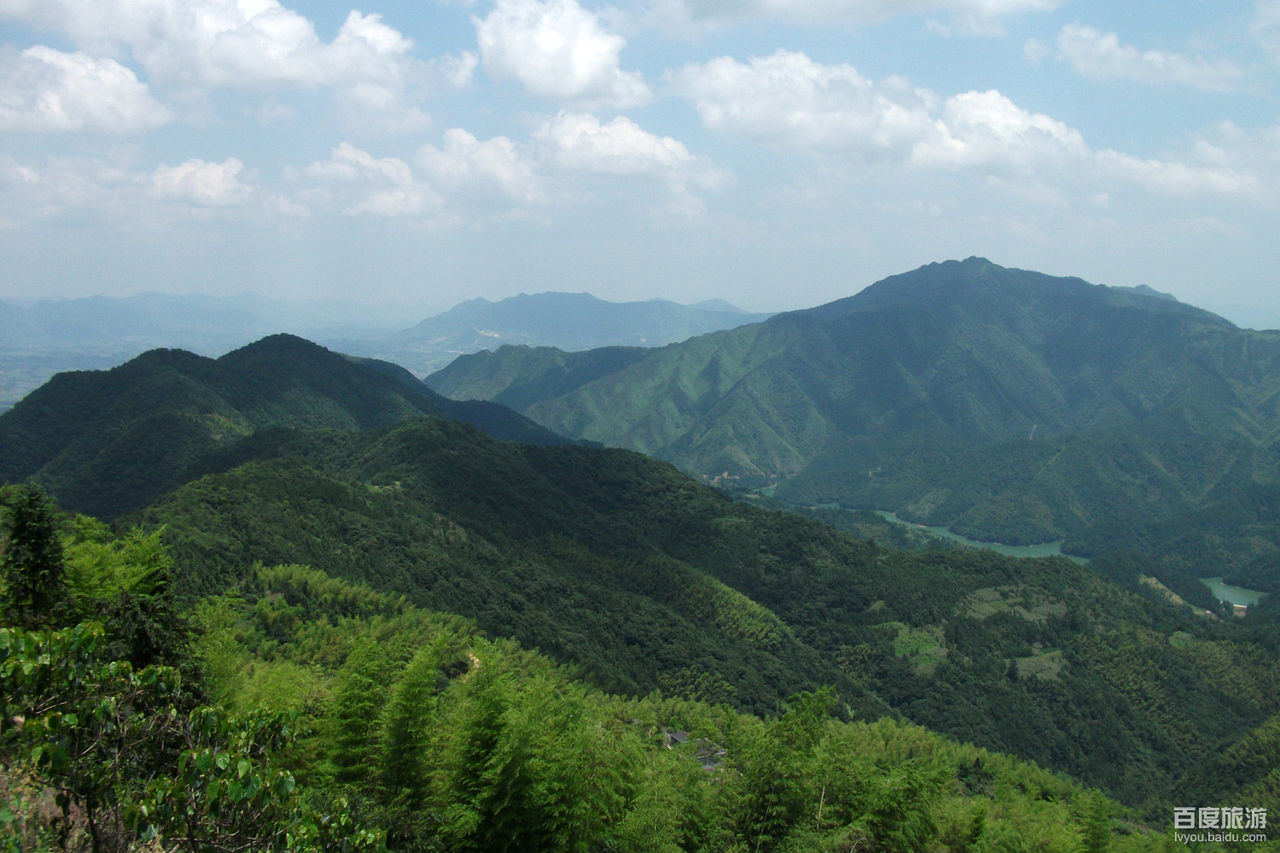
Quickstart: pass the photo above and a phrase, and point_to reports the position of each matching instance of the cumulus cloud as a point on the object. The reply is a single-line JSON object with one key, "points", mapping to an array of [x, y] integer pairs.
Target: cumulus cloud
{"points": [[493, 167], [788, 100], [201, 183], [46, 90], [361, 184], [195, 45], [557, 49], [987, 130], [1102, 56], [223, 42], [580, 142]]}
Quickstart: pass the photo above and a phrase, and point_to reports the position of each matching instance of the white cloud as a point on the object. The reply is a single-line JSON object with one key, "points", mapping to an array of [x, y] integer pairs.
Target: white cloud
{"points": [[196, 45], [361, 184], [1265, 26], [789, 99], [1102, 56], [988, 131], [1164, 177], [557, 49], [75, 187], [201, 183], [569, 157], [458, 71], [974, 16], [481, 168], [224, 42], [579, 142], [46, 90]]}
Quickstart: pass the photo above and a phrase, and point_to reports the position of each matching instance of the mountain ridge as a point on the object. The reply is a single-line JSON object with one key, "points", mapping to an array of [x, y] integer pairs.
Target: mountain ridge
{"points": [[168, 410], [993, 400]]}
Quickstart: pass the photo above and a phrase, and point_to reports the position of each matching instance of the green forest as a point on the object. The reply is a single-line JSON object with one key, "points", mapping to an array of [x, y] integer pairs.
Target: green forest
{"points": [[286, 599], [297, 711], [1007, 405]]}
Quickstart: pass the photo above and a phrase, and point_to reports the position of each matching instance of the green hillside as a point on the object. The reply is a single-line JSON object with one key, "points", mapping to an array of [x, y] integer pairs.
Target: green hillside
{"points": [[519, 376], [299, 712], [623, 567], [1008, 405], [107, 442], [638, 577]]}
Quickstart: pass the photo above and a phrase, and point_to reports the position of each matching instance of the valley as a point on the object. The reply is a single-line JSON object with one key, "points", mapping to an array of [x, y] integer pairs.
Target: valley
{"points": [[1004, 405], [296, 500]]}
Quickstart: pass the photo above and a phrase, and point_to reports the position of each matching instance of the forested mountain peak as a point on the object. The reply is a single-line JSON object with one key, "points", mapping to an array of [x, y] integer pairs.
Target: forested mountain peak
{"points": [[86, 434], [977, 284], [1010, 405]]}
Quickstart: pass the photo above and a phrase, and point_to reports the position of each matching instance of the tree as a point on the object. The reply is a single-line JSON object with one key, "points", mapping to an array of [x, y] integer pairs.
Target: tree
{"points": [[33, 565]]}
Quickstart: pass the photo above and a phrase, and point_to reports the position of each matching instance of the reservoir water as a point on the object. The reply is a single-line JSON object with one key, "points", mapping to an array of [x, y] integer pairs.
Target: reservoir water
{"points": [[1044, 549], [1232, 594], [1221, 590]]}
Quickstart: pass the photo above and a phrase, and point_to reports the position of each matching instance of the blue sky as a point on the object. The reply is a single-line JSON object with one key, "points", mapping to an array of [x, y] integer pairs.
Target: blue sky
{"points": [[776, 153]]}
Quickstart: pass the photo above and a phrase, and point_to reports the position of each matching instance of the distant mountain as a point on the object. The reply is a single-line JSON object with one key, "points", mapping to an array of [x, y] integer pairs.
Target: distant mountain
{"points": [[41, 337], [1010, 405], [191, 321], [566, 321], [107, 442]]}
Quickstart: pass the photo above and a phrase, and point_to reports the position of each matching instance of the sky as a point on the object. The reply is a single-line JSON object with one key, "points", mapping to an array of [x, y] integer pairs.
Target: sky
{"points": [[776, 153]]}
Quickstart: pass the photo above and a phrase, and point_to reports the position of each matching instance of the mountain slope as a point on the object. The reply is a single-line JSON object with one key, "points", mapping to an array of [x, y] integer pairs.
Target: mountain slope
{"points": [[622, 566], [527, 375], [112, 441], [1008, 404]]}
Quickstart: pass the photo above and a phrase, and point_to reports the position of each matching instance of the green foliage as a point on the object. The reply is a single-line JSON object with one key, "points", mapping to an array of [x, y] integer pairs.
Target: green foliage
{"points": [[33, 568], [80, 723], [619, 565], [494, 748], [408, 718], [99, 566], [95, 723]]}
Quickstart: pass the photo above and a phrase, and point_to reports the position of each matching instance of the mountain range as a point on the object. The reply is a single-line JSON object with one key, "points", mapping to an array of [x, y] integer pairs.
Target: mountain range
{"points": [[619, 565], [644, 580], [1009, 405], [566, 321]]}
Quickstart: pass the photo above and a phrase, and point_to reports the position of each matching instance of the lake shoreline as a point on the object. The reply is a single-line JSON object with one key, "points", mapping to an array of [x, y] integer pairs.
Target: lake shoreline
{"points": [[1039, 550]]}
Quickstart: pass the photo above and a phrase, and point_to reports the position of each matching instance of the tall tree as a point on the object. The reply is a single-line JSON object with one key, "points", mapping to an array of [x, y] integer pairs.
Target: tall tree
{"points": [[33, 566]]}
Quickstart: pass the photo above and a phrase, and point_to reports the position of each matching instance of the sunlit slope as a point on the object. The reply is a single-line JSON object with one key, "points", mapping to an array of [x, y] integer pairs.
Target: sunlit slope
{"points": [[1008, 404]]}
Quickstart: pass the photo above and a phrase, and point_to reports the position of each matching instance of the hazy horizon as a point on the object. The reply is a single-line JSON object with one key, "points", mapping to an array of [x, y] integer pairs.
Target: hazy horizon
{"points": [[396, 314], [777, 154]]}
